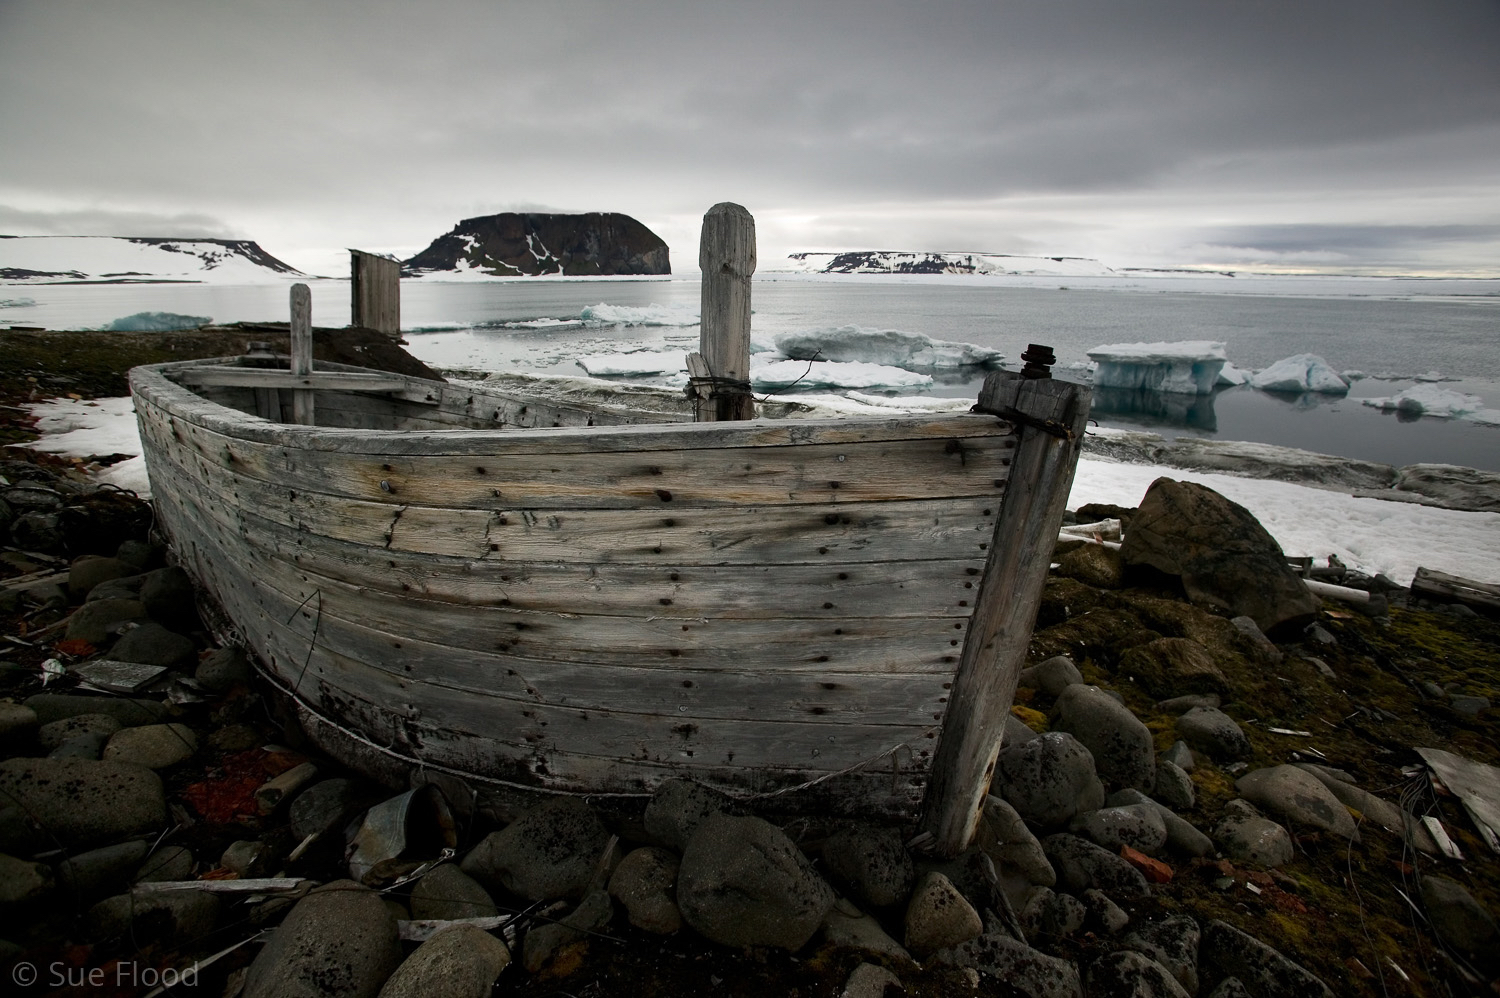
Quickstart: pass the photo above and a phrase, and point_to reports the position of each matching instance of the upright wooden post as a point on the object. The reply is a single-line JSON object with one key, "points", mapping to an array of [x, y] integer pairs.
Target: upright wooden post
{"points": [[1050, 417], [375, 293], [302, 347], [726, 255]]}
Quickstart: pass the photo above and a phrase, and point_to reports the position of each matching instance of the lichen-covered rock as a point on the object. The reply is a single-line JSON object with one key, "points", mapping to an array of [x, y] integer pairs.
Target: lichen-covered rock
{"points": [[645, 882], [1233, 953], [169, 917], [447, 892], [155, 746], [1299, 797], [84, 802], [1080, 865], [677, 809], [552, 851], [1033, 974], [744, 883], [339, 940], [1210, 730], [1173, 943], [1138, 826], [847, 927], [1460, 920], [1004, 837], [938, 917], [1127, 974], [871, 862], [544, 941], [1174, 788], [1048, 779], [1116, 738], [459, 961], [1249, 837], [57, 733]]}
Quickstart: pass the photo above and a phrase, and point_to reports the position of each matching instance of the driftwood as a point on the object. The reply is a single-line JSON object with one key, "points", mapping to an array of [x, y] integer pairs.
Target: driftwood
{"points": [[1454, 589]]}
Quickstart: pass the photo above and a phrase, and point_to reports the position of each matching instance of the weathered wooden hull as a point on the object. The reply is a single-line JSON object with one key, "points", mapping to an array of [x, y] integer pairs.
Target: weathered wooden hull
{"points": [[772, 607]]}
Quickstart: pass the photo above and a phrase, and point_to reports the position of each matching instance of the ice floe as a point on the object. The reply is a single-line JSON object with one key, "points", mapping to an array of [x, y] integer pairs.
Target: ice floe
{"points": [[637, 363], [1188, 367], [1304, 372], [780, 374], [1430, 400], [1231, 375], [604, 314], [891, 347]]}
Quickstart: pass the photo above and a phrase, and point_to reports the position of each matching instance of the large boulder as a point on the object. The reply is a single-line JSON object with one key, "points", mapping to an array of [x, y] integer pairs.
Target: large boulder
{"points": [[1127, 974], [1048, 779], [1232, 953], [447, 892], [339, 940], [645, 883], [744, 883], [1120, 744], [1080, 865], [1299, 797], [871, 862], [460, 961], [552, 851], [939, 917], [1027, 971], [1222, 554], [85, 802]]}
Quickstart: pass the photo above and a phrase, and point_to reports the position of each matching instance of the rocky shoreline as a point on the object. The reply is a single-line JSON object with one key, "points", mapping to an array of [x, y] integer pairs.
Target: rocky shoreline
{"points": [[1184, 806]]}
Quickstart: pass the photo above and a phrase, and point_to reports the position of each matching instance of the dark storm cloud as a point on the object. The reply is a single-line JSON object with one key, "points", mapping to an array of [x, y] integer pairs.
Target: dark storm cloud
{"points": [[386, 122]]}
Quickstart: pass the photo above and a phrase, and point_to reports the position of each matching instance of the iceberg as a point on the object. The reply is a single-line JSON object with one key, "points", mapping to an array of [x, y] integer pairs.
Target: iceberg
{"points": [[1189, 367], [1303, 372], [891, 347], [1231, 375], [156, 322], [604, 314], [637, 363], [832, 374], [1430, 400]]}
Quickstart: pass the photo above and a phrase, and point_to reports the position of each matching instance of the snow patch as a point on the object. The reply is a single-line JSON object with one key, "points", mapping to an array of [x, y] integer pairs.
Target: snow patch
{"points": [[91, 430], [1188, 367], [124, 260], [1304, 372]]}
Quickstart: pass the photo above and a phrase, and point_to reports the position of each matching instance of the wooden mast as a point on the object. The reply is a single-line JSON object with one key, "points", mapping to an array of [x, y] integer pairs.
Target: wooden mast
{"points": [[721, 368]]}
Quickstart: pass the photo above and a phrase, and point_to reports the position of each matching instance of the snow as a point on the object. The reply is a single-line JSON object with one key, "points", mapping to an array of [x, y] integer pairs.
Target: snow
{"points": [[1188, 367], [1430, 400], [776, 374], [71, 259], [978, 264], [1369, 535], [884, 346], [636, 363], [88, 430], [1304, 372]]}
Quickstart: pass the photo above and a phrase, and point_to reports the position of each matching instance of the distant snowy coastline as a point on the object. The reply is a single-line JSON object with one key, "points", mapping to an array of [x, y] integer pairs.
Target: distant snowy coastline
{"points": [[138, 260], [902, 262]]}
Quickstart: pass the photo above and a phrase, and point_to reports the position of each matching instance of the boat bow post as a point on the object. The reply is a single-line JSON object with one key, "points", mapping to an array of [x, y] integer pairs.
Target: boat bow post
{"points": [[1050, 416], [720, 371]]}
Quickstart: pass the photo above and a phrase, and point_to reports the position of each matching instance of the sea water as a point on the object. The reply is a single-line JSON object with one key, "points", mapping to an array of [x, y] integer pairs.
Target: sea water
{"points": [[1397, 332]]}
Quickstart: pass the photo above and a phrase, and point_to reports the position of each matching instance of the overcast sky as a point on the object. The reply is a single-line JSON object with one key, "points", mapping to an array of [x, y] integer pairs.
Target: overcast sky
{"points": [[1359, 136]]}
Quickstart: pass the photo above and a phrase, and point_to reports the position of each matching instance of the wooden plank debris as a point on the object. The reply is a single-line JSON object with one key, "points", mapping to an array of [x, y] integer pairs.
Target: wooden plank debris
{"points": [[1455, 589]]}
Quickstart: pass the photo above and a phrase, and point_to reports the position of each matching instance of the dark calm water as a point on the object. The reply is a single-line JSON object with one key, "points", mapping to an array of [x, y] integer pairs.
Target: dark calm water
{"points": [[1392, 331]]}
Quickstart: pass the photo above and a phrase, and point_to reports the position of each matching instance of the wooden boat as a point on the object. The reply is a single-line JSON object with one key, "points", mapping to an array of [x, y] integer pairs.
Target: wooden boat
{"points": [[544, 597]]}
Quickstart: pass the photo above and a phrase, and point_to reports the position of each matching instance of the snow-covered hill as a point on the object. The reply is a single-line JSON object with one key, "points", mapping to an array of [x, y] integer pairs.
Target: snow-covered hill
{"points": [[895, 262], [132, 260]]}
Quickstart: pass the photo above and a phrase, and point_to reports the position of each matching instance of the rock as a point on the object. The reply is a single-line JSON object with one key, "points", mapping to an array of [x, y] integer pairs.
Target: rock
{"points": [[1126, 974], [246, 858], [1049, 779], [1016, 732], [38, 532], [1136, 825], [278, 790], [1183, 704], [1118, 741], [532, 243], [1211, 731], [1110, 916], [447, 892], [869, 981], [323, 807], [1033, 909], [1233, 953], [1173, 665], [169, 598], [127, 588], [1222, 554], [89, 746], [97, 621], [18, 726], [1178, 755], [1299, 797], [678, 807], [1182, 835], [155, 746], [542, 942], [848, 927], [23, 884], [1459, 920], [51, 707], [459, 961], [1248, 837], [645, 883], [1173, 943], [1032, 974], [1063, 915], [1057, 674], [1381, 812], [338, 940], [1469, 706], [166, 864], [1231, 987], [53, 735], [938, 917], [21, 834], [101, 872], [222, 669], [1174, 788], [1080, 865], [744, 883], [1094, 565], [87, 571], [170, 917], [1003, 836], [83, 802], [140, 555], [549, 852], [152, 644], [234, 738], [871, 862], [1260, 644]]}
